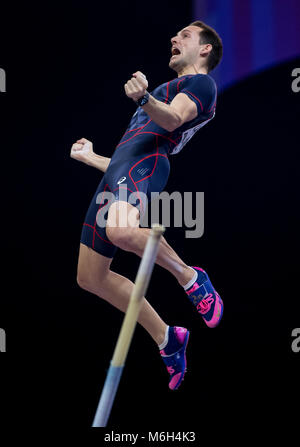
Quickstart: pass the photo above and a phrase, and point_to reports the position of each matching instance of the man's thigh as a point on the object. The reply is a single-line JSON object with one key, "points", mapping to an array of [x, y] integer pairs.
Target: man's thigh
{"points": [[123, 215], [92, 266], [93, 232]]}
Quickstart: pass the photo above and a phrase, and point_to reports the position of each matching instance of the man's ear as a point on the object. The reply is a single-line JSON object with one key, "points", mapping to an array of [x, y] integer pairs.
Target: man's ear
{"points": [[205, 49]]}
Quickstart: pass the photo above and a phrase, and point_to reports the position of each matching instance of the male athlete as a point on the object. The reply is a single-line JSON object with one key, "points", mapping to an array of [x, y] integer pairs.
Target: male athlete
{"points": [[163, 123]]}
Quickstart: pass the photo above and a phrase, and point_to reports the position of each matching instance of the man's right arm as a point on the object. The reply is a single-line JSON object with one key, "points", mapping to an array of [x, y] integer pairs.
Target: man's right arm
{"points": [[82, 150]]}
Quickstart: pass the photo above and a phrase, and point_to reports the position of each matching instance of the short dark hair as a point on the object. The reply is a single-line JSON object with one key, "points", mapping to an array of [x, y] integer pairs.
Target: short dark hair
{"points": [[209, 35]]}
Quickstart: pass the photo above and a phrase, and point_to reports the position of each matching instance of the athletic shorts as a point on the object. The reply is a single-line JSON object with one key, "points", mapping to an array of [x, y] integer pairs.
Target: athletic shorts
{"points": [[125, 181]]}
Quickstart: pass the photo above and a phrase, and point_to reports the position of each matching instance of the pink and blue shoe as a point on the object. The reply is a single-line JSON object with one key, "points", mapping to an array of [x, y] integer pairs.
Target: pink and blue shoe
{"points": [[174, 355], [203, 295]]}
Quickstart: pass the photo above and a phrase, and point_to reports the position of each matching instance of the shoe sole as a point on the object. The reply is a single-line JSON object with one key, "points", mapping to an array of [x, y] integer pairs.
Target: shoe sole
{"points": [[184, 347]]}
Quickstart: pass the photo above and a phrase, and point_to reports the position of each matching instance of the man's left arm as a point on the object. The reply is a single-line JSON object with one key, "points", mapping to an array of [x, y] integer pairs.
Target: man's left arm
{"points": [[168, 116]]}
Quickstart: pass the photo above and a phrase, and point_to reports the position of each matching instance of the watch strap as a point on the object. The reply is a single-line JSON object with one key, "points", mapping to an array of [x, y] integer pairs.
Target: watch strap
{"points": [[143, 100]]}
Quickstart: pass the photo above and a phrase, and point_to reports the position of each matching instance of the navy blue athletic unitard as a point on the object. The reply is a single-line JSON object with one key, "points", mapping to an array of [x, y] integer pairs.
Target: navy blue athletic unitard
{"points": [[140, 161]]}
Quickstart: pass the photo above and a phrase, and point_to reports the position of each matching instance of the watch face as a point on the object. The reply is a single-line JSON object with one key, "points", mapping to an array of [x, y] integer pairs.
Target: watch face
{"points": [[144, 99]]}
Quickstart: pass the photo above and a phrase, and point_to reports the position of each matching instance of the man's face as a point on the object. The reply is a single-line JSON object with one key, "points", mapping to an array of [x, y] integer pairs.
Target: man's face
{"points": [[185, 48]]}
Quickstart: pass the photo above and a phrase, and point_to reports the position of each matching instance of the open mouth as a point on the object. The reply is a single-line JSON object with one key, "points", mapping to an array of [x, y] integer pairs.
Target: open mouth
{"points": [[175, 51]]}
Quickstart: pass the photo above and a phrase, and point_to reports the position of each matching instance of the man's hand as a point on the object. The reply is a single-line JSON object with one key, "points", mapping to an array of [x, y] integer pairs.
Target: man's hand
{"points": [[136, 87], [82, 150]]}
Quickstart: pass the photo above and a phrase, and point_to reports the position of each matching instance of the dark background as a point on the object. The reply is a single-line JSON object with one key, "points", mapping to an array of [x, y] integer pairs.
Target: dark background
{"points": [[66, 67]]}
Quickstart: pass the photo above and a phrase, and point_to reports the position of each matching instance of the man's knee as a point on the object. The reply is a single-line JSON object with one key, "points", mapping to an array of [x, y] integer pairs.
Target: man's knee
{"points": [[122, 221], [89, 283], [119, 236], [92, 269]]}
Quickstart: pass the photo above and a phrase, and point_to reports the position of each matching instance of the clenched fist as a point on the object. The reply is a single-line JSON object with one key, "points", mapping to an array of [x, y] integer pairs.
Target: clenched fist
{"points": [[82, 150], [136, 87]]}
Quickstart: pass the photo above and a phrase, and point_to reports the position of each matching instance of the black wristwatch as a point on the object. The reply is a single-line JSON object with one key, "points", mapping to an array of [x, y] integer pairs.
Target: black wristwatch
{"points": [[143, 100]]}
